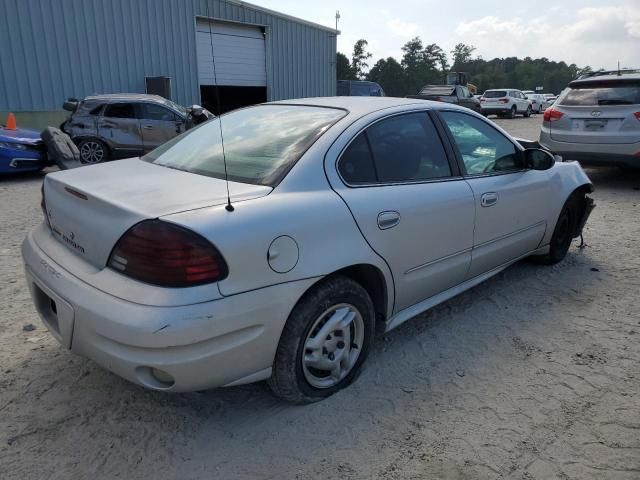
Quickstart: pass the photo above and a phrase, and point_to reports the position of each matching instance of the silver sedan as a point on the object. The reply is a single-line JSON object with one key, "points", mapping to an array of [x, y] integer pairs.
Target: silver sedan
{"points": [[340, 217]]}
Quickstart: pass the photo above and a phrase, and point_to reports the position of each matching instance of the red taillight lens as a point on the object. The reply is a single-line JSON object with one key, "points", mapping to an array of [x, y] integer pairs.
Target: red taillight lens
{"points": [[504, 100], [637, 115], [164, 254], [551, 115]]}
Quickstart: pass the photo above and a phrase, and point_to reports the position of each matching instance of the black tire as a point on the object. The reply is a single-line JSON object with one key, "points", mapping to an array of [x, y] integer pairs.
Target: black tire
{"points": [[93, 151], [527, 114], [513, 112], [288, 380], [563, 232]]}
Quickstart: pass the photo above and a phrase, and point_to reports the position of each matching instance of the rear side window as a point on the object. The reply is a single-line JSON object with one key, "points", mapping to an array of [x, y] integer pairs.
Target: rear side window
{"points": [[404, 148], [120, 110], [603, 93], [495, 94]]}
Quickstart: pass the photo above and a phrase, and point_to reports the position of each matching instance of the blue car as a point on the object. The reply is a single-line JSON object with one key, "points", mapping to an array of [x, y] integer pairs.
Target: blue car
{"points": [[21, 150]]}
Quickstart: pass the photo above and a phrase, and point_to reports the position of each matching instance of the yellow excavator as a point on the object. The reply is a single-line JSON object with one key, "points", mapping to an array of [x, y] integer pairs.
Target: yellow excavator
{"points": [[460, 78]]}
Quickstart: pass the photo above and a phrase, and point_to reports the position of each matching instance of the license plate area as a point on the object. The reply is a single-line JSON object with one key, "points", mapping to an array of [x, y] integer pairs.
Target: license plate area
{"points": [[595, 124], [56, 314]]}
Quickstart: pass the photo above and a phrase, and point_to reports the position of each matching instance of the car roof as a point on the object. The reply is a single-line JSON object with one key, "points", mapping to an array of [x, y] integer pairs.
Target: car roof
{"points": [[363, 105], [633, 77], [126, 96]]}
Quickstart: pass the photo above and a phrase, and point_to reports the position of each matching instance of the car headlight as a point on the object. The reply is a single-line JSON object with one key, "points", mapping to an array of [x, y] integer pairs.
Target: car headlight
{"points": [[15, 146]]}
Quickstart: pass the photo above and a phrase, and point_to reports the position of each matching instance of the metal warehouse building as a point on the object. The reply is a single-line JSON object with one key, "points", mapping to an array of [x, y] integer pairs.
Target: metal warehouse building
{"points": [[54, 49]]}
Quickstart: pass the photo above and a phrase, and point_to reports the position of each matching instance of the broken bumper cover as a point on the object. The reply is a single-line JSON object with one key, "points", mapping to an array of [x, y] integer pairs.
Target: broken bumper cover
{"points": [[588, 208], [180, 348]]}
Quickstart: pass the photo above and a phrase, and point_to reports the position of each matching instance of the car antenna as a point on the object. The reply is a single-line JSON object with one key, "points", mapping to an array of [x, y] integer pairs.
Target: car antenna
{"points": [[228, 207]]}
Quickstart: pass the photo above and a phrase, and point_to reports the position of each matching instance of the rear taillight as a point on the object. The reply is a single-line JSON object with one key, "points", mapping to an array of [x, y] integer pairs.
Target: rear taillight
{"points": [[167, 255], [551, 115], [637, 115], [504, 100]]}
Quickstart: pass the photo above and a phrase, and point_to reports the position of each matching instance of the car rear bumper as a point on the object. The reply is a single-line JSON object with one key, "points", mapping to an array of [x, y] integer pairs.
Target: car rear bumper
{"points": [[496, 109], [622, 154], [180, 348]]}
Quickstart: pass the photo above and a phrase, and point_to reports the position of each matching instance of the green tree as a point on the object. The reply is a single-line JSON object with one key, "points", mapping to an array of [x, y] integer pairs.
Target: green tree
{"points": [[390, 75], [461, 54], [359, 58], [343, 68]]}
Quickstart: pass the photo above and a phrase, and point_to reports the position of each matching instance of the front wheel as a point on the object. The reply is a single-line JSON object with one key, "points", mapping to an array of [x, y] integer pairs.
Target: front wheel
{"points": [[527, 114], [563, 233], [324, 342]]}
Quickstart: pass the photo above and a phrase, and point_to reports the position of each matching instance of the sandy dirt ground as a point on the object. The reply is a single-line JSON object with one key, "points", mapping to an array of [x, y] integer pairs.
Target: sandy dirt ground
{"points": [[534, 374]]}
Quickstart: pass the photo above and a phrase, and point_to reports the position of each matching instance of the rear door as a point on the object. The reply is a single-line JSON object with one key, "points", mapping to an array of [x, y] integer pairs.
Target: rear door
{"points": [[599, 112], [119, 126], [159, 124], [410, 203], [511, 202]]}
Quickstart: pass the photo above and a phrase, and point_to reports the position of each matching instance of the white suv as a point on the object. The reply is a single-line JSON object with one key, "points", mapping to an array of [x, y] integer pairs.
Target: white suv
{"points": [[538, 102], [505, 102]]}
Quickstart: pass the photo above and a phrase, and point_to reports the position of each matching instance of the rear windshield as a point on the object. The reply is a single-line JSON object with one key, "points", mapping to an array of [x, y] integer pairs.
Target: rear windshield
{"points": [[261, 143], [437, 90], [495, 94], [603, 93]]}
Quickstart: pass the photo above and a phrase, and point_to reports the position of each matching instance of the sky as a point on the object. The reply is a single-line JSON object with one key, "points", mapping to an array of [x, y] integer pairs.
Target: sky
{"points": [[585, 32]]}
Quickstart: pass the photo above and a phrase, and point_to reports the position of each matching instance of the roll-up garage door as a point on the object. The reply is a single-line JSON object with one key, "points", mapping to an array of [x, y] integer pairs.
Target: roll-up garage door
{"points": [[238, 52]]}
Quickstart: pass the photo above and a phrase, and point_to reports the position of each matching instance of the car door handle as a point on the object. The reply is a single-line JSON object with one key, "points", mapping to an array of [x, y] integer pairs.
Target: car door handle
{"points": [[148, 127], [489, 199], [388, 219]]}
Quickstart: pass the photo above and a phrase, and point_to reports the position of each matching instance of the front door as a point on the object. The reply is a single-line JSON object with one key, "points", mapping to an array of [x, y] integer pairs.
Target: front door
{"points": [[159, 124], [410, 204], [120, 128], [511, 202]]}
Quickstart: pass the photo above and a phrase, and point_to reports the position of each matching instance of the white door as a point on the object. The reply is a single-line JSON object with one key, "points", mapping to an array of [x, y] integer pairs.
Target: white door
{"points": [[230, 54], [511, 201]]}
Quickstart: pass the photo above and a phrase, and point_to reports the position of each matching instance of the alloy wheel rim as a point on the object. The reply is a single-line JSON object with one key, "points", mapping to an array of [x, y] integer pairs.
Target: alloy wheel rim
{"points": [[333, 346], [91, 152]]}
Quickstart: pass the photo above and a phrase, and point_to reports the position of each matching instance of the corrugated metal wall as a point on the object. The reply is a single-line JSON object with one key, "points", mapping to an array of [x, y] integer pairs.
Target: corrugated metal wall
{"points": [[54, 49]]}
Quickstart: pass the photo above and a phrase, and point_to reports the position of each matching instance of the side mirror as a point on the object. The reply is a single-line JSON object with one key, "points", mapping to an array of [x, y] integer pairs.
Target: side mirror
{"points": [[539, 159]]}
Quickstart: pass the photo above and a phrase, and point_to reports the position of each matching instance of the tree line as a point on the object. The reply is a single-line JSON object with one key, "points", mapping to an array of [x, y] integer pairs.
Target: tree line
{"points": [[428, 64]]}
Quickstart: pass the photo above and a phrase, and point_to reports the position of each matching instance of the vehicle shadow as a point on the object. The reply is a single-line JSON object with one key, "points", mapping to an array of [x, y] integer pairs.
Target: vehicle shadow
{"points": [[614, 178]]}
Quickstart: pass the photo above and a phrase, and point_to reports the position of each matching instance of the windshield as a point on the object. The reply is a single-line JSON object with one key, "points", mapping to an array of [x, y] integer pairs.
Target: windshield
{"points": [[436, 90], [495, 94], [603, 93], [261, 143], [176, 107]]}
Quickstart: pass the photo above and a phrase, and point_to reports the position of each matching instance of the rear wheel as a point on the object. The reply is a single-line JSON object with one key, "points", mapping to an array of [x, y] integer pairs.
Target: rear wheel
{"points": [[324, 342], [92, 151], [512, 112]]}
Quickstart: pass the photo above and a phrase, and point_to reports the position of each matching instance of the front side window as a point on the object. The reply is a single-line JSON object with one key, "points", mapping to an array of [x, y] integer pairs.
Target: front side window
{"points": [[403, 148], [261, 143], [483, 148], [120, 110], [149, 111]]}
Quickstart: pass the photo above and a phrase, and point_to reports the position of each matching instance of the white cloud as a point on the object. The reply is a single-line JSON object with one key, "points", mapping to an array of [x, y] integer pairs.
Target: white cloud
{"points": [[596, 36], [402, 29]]}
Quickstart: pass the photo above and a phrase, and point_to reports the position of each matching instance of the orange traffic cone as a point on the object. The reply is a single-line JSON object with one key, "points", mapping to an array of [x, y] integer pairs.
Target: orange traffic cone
{"points": [[11, 122]]}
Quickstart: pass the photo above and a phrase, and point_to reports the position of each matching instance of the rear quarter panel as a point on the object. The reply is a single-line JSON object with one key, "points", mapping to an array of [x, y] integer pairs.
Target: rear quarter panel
{"points": [[302, 207]]}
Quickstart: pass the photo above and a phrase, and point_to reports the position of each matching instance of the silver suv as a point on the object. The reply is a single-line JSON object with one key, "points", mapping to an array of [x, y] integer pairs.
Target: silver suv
{"points": [[596, 120], [114, 126]]}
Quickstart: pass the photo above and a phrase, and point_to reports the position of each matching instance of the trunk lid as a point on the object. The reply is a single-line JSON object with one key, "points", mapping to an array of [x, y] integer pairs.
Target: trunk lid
{"points": [[596, 124], [90, 208]]}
